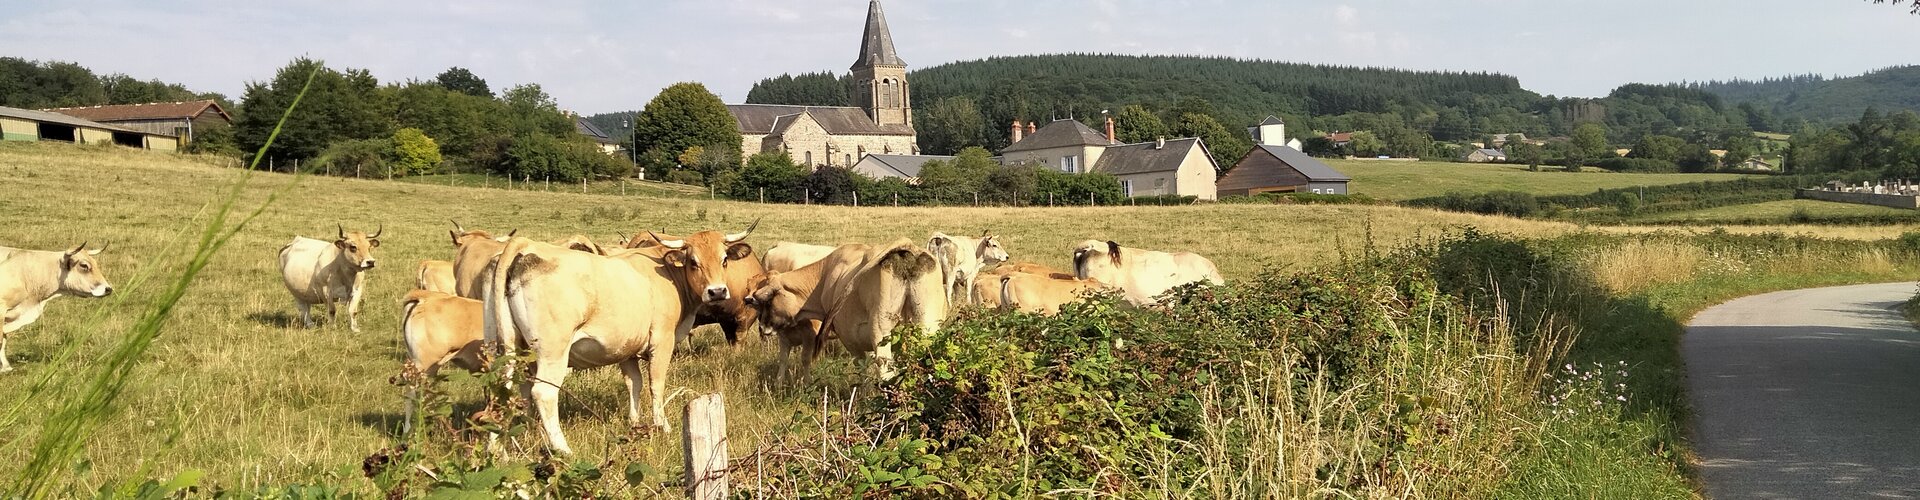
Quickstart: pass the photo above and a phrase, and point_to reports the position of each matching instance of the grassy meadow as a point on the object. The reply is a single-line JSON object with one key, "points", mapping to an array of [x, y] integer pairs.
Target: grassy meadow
{"points": [[1405, 180], [235, 388], [1785, 210]]}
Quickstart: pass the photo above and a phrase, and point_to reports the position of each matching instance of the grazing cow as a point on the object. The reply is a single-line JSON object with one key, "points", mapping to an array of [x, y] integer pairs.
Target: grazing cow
{"points": [[1141, 274], [787, 256], [475, 253], [777, 319], [860, 292], [961, 258], [577, 310], [318, 272], [434, 275], [1042, 294], [731, 314], [440, 329], [30, 278]]}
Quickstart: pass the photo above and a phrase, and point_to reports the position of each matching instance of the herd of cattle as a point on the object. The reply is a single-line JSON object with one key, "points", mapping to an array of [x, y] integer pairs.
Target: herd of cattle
{"points": [[574, 304]]}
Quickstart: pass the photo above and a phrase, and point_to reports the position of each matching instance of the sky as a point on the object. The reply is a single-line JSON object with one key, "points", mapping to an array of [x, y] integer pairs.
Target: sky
{"points": [[603, 56]]}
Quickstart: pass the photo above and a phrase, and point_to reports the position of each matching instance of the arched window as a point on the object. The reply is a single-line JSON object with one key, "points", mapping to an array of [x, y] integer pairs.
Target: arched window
{"points": [[809, 158]]}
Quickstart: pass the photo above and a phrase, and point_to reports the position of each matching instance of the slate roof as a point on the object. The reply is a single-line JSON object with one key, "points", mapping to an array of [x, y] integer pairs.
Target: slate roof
{"points": [[1492, 152], [1144, 158], [1059, 134], [1271, 120], [148, 111], [897, 165], [587, 128], [876, 45], [1314, 169], [773, 119], [51, 117]]}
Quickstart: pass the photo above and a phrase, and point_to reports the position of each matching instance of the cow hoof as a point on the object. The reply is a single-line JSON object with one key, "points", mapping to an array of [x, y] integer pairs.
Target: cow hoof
{"points": [[5, 369]]}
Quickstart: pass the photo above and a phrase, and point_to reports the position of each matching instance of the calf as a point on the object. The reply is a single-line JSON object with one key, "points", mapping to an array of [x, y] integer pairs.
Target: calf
{"points": [[860, 292], [1042, 294], [440, 329], [318, 272], [30, 278], [961, 259]]}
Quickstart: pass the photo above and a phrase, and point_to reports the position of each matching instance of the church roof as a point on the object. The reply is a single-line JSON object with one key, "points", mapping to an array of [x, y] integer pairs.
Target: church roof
{"points": [[876, 46], [1059, 134], [1146, 157], [773, 119]]}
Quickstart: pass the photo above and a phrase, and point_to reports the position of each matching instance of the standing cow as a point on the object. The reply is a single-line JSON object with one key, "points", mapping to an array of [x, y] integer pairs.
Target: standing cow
{"points": [[860, 293], [319, 272], [30, 278], [731, 314], [476, 250], [961, 259], [1141, 274]]}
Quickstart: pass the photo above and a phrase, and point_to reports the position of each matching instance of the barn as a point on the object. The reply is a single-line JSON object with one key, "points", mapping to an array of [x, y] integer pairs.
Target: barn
{"points": [[29, 125], [174, 119], [1281, 169]]}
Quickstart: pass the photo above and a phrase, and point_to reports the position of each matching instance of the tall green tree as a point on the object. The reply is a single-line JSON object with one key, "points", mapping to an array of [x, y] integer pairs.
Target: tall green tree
{"points": [[461, 80], [1227, 147], [949, 125], [1135, 124], [1658, 147], [414, 152], [1591, 139], [339, 106], [685, 115], [1364, 143]]}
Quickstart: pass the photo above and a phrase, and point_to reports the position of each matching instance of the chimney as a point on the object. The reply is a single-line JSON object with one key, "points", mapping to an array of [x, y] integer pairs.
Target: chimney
{"points": [[1031, 128], [1016, 131], [1109, 130], [1160, 143]]}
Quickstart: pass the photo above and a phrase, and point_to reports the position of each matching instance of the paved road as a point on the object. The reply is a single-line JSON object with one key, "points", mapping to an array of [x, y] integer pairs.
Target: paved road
{"points": [[1807, 394]]}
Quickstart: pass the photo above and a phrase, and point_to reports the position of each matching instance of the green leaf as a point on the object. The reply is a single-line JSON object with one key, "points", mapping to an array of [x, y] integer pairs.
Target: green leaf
{"points": [[485, 479], [637, 473]]}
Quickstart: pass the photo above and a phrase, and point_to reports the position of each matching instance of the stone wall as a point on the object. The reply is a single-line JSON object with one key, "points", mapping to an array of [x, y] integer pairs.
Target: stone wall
{"points": [[1885, 200]]}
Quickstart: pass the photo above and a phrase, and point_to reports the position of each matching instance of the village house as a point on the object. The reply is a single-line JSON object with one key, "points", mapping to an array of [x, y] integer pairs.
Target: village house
{"points": [[840, 136], [1180, 167], [1272, 131], [608, 145], [172, 119], [1485, 155], [1279, 168]]}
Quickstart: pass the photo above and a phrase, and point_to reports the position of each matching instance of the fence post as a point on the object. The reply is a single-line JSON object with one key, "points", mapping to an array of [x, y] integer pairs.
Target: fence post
{"points": [[856, 198], [806, 196], [1089, 198], [896, 199], [976, 199], [270, 164], [549, 183], [763, 195], [296, 166], [583, 184], [704, 446]]}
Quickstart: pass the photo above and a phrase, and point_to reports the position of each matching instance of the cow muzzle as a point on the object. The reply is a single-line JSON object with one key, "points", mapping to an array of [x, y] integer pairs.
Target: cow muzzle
{"points": [[367, 265], [103, 290], [717, 293]]}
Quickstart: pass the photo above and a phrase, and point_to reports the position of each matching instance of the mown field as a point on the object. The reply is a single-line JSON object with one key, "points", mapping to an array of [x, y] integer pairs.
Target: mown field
{"points": [[235, 389], [1777, 210], [1395, 180]]}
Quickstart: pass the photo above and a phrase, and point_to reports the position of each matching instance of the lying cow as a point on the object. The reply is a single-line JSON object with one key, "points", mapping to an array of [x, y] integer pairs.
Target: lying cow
{"points": [[961, 259], [321, 272], [30, 278], [860, 292], [440, 329], [1042, 294], [577, 310], [1141, 274], [731, 314], [434, 275]]}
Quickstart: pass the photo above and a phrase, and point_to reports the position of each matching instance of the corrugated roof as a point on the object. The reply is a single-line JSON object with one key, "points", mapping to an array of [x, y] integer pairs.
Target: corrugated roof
{"points": [[876, 45], [148, 111], [896, 165], [1144, 157], [1059, 134], [837, 120], [50, 117], [1313, 168]]}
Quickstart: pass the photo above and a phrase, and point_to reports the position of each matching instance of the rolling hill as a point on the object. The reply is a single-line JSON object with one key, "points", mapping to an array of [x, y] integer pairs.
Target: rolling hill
{"points": [[1818, 99]]}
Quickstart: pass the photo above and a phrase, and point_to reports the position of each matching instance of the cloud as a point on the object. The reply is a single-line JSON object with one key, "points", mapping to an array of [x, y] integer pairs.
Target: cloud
{"points": [[1345, 14]]}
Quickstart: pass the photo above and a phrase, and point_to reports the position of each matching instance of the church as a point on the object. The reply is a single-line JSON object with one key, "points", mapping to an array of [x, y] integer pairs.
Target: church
{"points": [[841, 135]]}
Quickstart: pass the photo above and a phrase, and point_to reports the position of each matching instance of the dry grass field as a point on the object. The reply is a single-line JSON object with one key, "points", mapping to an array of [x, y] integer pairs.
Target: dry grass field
{"points": [[1404, 180], [234, 387]]}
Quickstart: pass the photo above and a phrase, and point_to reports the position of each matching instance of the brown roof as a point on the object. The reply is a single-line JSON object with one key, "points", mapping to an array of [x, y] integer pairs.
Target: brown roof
{"points": [[149, 111], [1341, 136], [774, 119], [1144, 157], [1059, 134]]}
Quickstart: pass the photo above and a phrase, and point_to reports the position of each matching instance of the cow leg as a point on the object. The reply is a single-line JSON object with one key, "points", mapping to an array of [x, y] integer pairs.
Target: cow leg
{"points": [[631, 368], [730, 325], [353, 306], [883, 360], [4, 365], [549, 372], [657, 383], [306, 313]]}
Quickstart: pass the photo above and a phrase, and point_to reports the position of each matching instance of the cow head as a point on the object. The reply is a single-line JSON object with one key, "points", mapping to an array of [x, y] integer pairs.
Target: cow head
{"points": [[990, 251], [703, 257], [80, 273], [1093, 259], [463, 235], [776, 305], [357, 248]]}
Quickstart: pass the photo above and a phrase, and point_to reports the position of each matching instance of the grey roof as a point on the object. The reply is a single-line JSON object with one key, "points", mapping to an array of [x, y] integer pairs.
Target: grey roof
{"points": [[587, 128], [1143, 158], [1059, 134], [1314, 169], [1491, 152], [895, 165], [876, 46], [773, 119], [1271, 120], [51, 117]]}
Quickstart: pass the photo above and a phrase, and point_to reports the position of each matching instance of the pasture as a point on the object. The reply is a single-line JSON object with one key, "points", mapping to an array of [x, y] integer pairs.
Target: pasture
{"points": [[1781, 211], [235, 388], [1399, 180]]}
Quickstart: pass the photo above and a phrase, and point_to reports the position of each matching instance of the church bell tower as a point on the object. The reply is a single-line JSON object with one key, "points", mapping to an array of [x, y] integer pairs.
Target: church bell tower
{"points": [[879, 76]]}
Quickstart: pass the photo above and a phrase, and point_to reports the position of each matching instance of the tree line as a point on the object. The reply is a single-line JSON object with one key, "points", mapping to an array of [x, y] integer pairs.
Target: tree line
{"points": [[970, 178]]}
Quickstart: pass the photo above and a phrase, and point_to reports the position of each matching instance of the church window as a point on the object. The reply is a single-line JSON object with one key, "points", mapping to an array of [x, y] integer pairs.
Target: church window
{"points": [[809, 158]]}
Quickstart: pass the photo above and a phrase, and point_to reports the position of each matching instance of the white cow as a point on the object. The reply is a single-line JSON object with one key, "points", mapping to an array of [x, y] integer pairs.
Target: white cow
{"points": [[321, 272], [787, 256], [961, 259], [1142, 274], [30, 278]]}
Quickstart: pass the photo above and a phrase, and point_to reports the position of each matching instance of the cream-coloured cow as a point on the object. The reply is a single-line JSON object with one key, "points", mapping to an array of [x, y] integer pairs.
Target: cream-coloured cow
{"points": [[30, 278], [1042, 294], [787, 256], [322, 272], [435, 276], [777, 318], [1141, 274], [860, 292], [577, 310], [440, 329], [961, 258], [476, 250]]}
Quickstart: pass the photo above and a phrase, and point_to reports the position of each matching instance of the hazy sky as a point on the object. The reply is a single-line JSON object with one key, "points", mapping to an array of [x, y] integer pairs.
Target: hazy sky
{"points": [[607, 56]]}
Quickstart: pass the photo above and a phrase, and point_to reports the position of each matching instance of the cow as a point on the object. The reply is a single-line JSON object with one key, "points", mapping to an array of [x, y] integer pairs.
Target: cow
{"points": [[787, 256], [1042, 294], [860, 292], [434, 275], [30, 278], [777, 319], [731, 314], [319, 272], [961, 259], [1141, 275], [475, 253], [440, 329], [576, 310]]}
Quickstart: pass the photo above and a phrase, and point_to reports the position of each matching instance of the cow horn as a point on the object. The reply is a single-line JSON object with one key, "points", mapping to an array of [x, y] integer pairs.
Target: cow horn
{"points": [[736, 237], [984, 232], [673, 244], [75, 250], [456, 226], [343, 230], [96, 251], [511, 232], [376, 232]]}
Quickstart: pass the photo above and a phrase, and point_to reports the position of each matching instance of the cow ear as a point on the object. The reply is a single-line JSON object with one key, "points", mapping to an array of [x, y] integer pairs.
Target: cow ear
{"points": [[455, 236], [1113, 252], [342, 243], [374, 241], [739, 251], [675, 258]]}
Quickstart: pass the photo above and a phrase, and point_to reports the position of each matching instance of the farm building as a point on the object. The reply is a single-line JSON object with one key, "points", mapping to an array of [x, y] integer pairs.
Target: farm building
{"points": [[1485, 155], [1281, 169], [880, 166], [1273, 131], [28, 125], [1162, 167], [175, 119]]}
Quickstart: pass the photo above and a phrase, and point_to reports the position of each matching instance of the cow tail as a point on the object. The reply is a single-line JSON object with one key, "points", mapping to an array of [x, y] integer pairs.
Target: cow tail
{"points": [[1006, 299], [499, 315], [408, 305], [947, 254]]}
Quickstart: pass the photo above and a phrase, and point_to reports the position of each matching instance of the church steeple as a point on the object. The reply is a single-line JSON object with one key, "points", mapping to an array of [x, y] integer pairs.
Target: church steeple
{"points": [[880, 77]]}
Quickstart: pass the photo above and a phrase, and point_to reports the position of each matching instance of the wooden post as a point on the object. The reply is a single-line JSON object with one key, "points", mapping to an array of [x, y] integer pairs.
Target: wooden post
{"points": [[763, 195], [270, 164], [1049, 202], [856, 198], [704, 445], [486, 179], [623, 186], [806, 196], [1089, 198], [549, 183], [976, 199], [583, 184], [296, 166], [896, 199]]}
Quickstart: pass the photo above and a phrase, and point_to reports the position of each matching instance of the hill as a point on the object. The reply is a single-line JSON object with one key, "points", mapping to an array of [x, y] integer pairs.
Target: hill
{"points": [[1818, 99]]}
